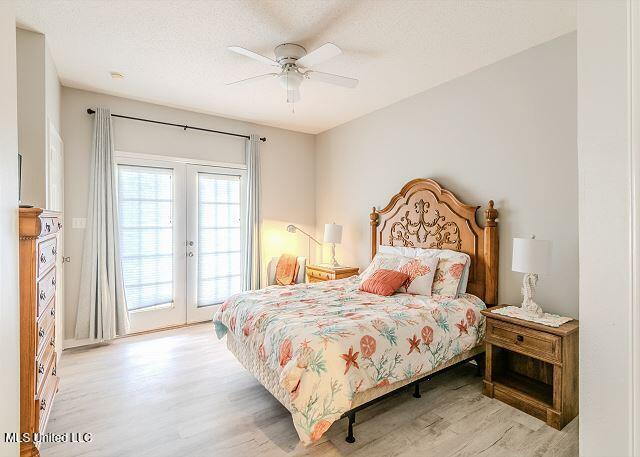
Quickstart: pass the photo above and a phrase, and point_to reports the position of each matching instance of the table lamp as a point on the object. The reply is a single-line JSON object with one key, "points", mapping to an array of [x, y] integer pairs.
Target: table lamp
{"points": [[333, 235], [531, 257]]}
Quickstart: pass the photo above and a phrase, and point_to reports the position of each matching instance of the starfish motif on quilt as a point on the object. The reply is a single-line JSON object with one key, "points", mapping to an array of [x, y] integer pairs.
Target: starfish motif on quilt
{"points": [[414, 344], [462, 326], [350, 359]]}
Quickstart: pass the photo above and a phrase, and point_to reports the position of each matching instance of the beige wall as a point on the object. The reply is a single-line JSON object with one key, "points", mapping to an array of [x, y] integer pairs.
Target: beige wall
{"points": [[606, 307], [38, 104], [31, 115], [506, 132], [288, 178], [9, 307]]}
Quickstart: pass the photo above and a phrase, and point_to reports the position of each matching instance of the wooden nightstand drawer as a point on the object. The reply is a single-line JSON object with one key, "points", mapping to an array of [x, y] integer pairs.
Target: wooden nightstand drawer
{"points": [[320, 275], [317, 273], [527, 341]]}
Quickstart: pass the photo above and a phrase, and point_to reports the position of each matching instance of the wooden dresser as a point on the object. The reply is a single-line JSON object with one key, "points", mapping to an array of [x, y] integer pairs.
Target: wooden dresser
{"points": [[533, 367], [317, 273], [38, 285]]}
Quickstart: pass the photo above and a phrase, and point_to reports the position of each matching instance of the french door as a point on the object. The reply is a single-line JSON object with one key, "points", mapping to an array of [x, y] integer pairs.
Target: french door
{"points": [[181, 238]]}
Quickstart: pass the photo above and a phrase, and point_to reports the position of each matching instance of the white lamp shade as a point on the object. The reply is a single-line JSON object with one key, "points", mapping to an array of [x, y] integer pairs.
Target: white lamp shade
{"points": [[531, 255], [332, 233]]}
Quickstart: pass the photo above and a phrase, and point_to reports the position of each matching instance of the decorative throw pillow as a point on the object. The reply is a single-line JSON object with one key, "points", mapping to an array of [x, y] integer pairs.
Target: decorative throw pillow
{"points": [[384, 261], [448, 275], [384, 282], [420, 274]]}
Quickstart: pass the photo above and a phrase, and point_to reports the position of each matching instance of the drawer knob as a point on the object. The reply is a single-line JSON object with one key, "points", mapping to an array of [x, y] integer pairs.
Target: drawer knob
{"points": [[53, 282], [43, 295], [41, 333], [43, 404], [59, 225], [520, 338], [40, 368], [54, 251], [54, 371], [53, 311], [43, 258], [53, 341]]}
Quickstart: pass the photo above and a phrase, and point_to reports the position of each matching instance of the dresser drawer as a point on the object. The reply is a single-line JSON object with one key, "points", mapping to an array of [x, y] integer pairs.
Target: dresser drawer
{"points": [[45, 400], [524, 340], [50, 225], [45, 325], [46, 290], [45, 364], [47, 251]]}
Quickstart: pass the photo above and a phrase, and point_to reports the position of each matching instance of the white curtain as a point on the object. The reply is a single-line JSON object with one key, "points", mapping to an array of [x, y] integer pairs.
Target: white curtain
{"points": [[252, 262], [102, 310]]}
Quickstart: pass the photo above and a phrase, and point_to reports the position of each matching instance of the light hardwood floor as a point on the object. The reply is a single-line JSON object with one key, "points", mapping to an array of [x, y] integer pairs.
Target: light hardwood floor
{"points": [[181, 393]]}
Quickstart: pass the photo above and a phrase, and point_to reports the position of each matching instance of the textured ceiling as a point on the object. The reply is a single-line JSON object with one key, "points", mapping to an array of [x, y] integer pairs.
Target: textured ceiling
{"points": [[174, 52]]}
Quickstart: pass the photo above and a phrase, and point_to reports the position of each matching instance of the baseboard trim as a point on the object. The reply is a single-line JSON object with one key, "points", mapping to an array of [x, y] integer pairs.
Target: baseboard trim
{"points": [[76, 343]]}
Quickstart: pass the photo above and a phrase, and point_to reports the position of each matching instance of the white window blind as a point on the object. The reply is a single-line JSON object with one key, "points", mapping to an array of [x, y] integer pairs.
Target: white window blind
{"points": [[145, 198], [219, 235]]}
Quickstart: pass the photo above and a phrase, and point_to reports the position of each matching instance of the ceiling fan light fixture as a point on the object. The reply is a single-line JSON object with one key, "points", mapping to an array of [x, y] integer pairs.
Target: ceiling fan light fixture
{"points": [[290, 79]]}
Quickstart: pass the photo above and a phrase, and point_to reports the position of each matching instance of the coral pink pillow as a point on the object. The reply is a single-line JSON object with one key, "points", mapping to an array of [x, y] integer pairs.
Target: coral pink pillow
{"points": [[384, 282]]}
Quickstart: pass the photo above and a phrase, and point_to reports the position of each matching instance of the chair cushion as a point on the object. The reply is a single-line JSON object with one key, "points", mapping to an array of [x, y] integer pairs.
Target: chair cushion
{"points": [[384, 282]]}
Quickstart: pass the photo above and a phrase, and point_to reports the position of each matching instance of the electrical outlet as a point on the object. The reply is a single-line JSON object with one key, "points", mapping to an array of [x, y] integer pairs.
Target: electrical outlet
{"points": [[79, 222]]}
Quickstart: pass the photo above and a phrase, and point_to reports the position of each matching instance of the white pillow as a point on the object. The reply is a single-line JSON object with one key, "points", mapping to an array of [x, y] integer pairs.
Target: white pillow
{"points": [[421, 271], [440, 253], [401, 250], [384, 261]]}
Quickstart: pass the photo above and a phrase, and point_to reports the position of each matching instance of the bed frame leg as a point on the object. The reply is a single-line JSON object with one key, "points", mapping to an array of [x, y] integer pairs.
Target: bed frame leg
{"points": [[416, 390], [352, 420], [479, 364]]}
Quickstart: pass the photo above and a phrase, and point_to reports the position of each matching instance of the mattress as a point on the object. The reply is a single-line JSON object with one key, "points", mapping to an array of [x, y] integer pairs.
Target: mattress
{"points": [[324, 348]]}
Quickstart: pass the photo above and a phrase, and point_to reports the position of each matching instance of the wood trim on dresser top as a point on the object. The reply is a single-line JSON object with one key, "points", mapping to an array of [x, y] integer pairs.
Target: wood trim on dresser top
{"points": [[424, 215]]}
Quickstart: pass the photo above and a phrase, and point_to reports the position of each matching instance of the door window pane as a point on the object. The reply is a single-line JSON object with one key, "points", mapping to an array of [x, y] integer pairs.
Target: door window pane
{"points": [[145, 199], [219, 246]]}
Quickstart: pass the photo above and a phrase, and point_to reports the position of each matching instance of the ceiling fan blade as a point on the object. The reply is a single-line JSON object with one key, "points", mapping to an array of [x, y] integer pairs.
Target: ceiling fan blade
{"points": [[253, 78], [293, 95], [253, 55], [329, 78], [324, 52]]}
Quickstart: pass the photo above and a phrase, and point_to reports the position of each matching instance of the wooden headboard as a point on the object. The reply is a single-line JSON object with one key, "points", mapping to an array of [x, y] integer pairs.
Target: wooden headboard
{"points": [[424, 215]]}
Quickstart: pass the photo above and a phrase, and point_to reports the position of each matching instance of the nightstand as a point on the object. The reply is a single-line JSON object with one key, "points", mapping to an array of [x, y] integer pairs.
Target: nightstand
{"points": [[532, 367], [317, 273]]}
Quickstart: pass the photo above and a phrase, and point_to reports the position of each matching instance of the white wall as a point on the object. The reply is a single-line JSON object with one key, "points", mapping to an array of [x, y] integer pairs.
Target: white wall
{"points": [[9, 305], [506, 132], [605, 222], [288, 178]]}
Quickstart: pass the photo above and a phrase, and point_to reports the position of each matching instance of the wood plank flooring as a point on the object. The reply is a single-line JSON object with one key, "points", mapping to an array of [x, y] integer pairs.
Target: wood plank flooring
{"points": [[181, 393]]}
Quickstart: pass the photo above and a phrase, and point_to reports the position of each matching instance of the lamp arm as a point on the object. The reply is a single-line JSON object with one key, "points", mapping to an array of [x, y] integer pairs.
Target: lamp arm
{"points": [[317, 242]]}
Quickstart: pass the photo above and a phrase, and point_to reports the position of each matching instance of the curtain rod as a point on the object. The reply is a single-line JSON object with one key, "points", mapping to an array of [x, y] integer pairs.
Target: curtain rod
{"points": [[184, 126]]}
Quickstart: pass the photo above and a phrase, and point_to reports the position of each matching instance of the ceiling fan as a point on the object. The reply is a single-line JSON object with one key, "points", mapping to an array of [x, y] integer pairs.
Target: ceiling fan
{"points": [[295, 64]]}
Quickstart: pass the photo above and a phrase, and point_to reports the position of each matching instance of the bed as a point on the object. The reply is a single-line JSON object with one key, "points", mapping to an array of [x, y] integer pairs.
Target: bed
{"points": [[327, 350]]}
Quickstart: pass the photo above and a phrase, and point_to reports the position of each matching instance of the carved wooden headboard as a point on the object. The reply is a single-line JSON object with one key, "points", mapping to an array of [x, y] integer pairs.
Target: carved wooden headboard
{"points": [[424, 215]]}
